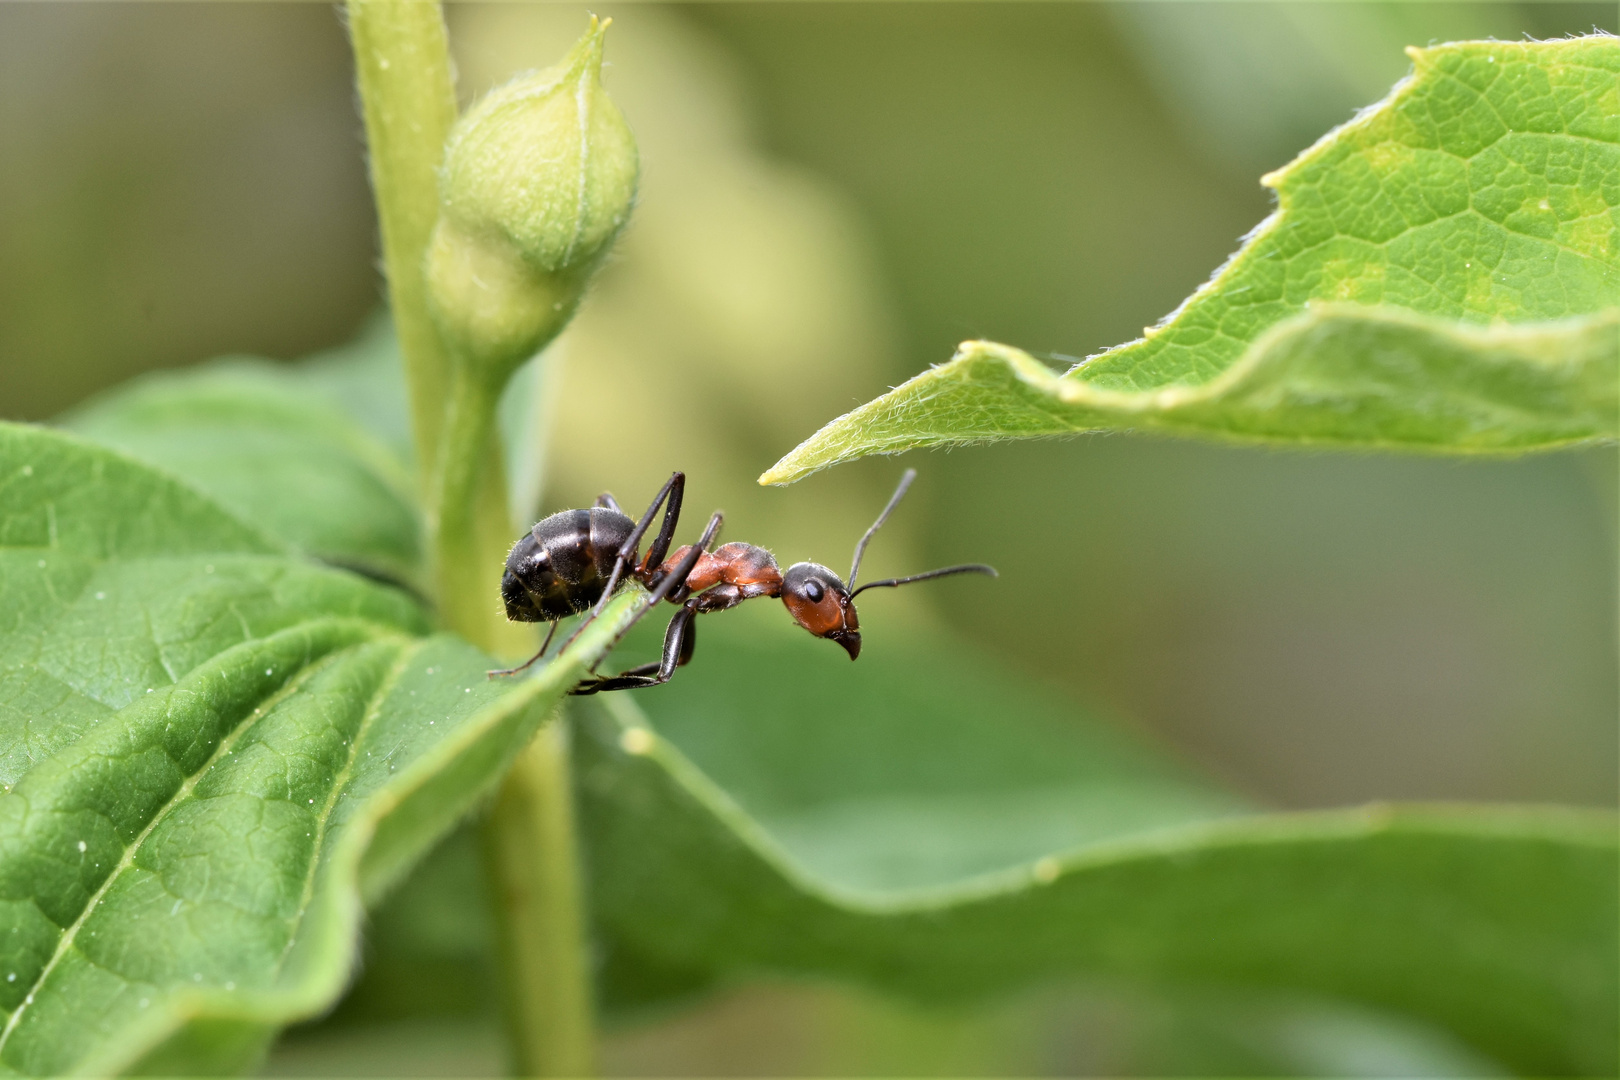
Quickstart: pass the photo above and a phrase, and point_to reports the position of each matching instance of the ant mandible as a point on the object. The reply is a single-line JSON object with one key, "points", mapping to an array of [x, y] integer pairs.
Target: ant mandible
{"points": [[574, 561]]}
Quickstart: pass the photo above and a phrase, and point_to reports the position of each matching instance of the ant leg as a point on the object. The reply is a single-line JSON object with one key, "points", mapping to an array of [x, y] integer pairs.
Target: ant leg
{"points": [[676, 578], [607, 502], [514, 670], [688, 645], [666, 532], [679, 642], [674, 488]]}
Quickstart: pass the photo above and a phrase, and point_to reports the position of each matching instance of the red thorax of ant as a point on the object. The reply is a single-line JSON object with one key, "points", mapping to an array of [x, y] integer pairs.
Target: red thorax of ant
{"points": [[574, 561]]}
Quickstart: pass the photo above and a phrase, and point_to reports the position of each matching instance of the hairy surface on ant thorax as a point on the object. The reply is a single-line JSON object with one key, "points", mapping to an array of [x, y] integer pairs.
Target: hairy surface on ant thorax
{"points": [[731, 564]]}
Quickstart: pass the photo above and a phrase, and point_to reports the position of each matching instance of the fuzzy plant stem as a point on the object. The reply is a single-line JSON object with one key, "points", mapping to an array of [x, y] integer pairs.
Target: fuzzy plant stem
{"points": [[550, 1010], [469, 543], [403, 68], [402, 63], [531, 856]]}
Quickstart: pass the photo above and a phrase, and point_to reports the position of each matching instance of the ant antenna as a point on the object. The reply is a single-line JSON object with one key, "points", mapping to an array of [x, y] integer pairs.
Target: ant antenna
{"points": [[894, 500], [889, 583]]}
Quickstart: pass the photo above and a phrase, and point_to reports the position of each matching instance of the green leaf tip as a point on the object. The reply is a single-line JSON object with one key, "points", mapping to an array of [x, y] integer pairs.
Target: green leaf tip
{"points": [[538, 180], [1448, 256], [1339, 375]]}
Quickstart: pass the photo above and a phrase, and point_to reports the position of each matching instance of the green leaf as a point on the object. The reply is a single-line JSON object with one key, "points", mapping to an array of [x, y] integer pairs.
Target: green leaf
{"points": [[213, 753], [923, 827], [253, 436], [1465, 227], [1337, 375], [364, 378]]}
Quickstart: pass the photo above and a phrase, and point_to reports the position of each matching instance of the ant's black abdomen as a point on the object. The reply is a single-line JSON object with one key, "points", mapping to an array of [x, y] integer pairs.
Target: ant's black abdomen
{"points": [[562, 565]]}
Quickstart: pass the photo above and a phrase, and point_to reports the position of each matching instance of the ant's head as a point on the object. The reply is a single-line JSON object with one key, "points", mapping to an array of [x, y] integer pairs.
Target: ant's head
{"points": [[825, 606], [820, 602]]}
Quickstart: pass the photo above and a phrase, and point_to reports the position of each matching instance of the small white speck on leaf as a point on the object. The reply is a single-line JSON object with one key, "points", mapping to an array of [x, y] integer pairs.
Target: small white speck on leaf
{"points": [[28, 470], [83, 847], [636, 740], [42, 564], [101, 596], [12, 977]]}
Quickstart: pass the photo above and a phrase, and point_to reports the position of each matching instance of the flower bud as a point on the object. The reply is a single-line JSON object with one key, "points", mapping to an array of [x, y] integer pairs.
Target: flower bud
{"points": [[493, 309], [538, 179]]}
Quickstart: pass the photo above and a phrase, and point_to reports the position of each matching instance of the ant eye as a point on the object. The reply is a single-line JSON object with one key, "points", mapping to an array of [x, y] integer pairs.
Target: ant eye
{"points": [[813, 591]]}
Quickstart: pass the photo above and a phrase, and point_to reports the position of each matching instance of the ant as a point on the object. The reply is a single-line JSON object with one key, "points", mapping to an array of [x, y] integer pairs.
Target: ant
{"points": [[575, 560]]}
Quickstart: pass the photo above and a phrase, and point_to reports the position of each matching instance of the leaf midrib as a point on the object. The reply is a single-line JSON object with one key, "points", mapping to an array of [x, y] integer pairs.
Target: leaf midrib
{"points": [[385, 688]]}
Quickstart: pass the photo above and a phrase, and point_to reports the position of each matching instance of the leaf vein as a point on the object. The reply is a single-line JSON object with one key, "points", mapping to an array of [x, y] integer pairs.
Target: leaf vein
{"points": [[70, 933], [340, 782]]}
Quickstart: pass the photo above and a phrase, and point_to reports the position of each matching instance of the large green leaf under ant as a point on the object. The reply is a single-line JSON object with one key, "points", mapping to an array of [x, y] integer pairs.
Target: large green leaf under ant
{"points": [[214, 752], [1441, 274]]}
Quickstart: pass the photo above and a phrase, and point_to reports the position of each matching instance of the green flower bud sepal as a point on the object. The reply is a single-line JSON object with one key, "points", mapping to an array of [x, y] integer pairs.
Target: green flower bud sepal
{"points": [[539, 178]]}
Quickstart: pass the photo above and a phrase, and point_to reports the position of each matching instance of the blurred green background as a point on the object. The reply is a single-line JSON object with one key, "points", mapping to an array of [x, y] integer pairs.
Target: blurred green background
{"points": [[833, 196]]}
